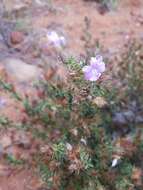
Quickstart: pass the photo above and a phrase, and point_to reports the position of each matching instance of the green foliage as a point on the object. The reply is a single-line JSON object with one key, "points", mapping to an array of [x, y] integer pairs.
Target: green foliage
{"points": [[46, 174], [87, 110], [123, 184], [59, 151], [12, 160], [38, 108], [110, 3], [130, 72], [125, 169], [4, 121], [85, 159], [73, 64], [140, 147], [9, 88]]}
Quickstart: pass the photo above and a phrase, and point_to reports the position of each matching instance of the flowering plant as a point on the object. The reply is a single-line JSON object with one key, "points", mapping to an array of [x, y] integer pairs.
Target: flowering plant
{"points": [[93, 71]]}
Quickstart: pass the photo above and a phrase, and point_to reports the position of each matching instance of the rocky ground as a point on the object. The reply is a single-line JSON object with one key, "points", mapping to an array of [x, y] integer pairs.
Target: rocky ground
{"points": [[26, 56]]}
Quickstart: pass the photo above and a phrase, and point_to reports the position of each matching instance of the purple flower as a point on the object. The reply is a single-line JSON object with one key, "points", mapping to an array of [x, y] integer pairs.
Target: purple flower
{"points": [[2, 102], [93, 71], [97, 63], [90, 73], [55, 39]]}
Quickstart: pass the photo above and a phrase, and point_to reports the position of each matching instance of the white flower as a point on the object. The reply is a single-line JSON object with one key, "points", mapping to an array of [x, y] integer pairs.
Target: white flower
{"points": [[55, 39], [69, 146], [74, 132], [115, 162], [83, 141]]}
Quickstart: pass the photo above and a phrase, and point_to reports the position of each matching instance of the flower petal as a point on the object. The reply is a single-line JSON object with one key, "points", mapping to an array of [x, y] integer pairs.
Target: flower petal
{"points": [[114, 162], [99, 66], [86, 68], [97, 63], [91, 74], [93, 71], [55, 39], [95, 76]]}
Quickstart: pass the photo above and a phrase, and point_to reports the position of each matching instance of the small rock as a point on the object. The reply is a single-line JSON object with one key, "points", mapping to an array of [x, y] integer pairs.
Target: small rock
{"points": [[5, 141], [21, 71], [124, 117], [56, 73], [129, 115], [40, 2], [1, 151], [1, 38], [137, 175], [4, 171], [74, 132], [139, 119], [16, 37], [82, 140], [43, 188], [103, 8], [14, 5], [44, 149], [23, 140], [13, 152], [3, 74], [119, 119], [5, 29], [69, 147]]}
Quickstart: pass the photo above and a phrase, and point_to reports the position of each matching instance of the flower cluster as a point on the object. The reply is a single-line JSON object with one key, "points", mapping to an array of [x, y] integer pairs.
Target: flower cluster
{"points": [[93, 71], [55, 39]]}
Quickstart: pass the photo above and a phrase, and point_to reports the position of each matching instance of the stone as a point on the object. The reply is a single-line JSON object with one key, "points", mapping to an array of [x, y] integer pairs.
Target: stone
{"points": [[13, 152], [139, 119], [16, 37], [119, 120], [56, 73], [3, 74], [5, 141], [22, 139], [1, 151], [20, 71], [124, 118], [129, 115], [25, 141], [4, 171], [14, 5]]}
